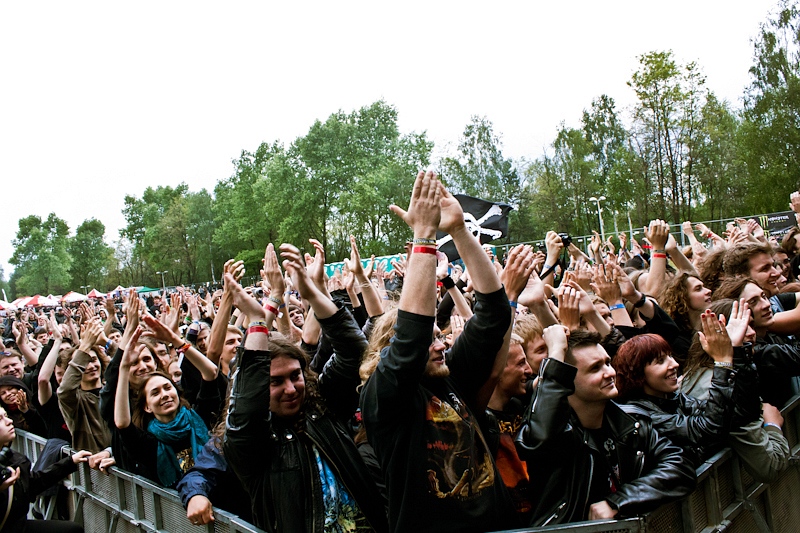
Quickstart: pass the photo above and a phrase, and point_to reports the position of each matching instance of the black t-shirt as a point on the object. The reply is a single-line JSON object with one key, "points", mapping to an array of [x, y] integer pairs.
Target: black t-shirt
{"points": [[605, 478], [54, 420]]}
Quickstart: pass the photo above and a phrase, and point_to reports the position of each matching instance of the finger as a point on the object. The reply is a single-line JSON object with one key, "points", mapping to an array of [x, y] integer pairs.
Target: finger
{"points": [[397, 210]]}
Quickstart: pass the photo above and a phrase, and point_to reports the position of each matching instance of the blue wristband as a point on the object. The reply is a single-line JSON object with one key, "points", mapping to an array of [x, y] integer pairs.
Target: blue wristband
{"points": [[616, 306], [512, 304]]}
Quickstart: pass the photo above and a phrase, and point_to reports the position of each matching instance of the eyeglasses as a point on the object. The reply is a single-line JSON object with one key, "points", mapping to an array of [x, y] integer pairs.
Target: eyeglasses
{"points": [[441, 338]]}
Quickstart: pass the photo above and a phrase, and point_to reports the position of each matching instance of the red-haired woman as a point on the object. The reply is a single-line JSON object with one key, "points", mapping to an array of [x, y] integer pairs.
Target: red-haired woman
{"points": [[647, 380]]}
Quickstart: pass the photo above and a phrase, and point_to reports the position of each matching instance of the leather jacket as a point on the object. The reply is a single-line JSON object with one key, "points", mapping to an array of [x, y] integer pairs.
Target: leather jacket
{"points": [[561, 456], [274, 458], [698, 426]]}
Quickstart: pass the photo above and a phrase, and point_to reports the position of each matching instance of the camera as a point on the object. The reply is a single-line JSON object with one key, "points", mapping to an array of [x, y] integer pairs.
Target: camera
{"points": [[5, 462], [565, 239]]}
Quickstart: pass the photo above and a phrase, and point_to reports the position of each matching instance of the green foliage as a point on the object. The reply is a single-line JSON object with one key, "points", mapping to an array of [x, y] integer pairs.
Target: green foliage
{"points": [[171, 230], [91, 256], [41, 256], [772, 112], [478, 168]]}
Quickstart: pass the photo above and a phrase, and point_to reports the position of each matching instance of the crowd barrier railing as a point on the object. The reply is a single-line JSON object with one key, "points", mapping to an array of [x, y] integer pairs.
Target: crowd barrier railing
{"points": [[726, 499], [120, 502]]}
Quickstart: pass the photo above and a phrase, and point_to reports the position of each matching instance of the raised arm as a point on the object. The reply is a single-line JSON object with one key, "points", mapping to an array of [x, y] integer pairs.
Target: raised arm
{"points": [[44, 389], [423, 216], [372, 300], [208, 369], [219, 328], [657, 233], [122, 404]]}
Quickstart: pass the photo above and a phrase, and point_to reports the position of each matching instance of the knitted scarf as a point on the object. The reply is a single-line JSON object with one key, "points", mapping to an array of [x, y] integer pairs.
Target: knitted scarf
{"points": [[186, 423]]}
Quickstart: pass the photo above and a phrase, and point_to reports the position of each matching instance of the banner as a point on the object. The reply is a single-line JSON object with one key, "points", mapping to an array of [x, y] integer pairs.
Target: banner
{"points": [[486, 220]]}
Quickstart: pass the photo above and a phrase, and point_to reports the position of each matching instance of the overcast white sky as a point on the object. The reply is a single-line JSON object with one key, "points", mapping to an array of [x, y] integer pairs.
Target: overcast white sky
{"points": [[102, 99]]}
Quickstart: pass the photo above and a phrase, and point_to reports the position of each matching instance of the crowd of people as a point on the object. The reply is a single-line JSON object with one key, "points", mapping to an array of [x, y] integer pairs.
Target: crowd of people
{"points": [[546, 387]]}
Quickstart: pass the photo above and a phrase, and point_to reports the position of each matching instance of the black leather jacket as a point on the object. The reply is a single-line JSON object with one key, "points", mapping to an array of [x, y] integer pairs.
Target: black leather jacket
{"points": [[275, 459], [559, 455], [700, 427]]}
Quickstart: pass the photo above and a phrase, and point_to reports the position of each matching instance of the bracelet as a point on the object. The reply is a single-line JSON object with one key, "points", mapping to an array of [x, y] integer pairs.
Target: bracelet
{"points": [[448, 282], [423, 250], [546, 267], [271, 309], [616, 306], [183, 348], [659, 251], [641, 301], [722, 364], [659, 255], [770, 424], [431, 242], [512, 303], [273, 299], [257, 323], [258, 329], [365, 284]]}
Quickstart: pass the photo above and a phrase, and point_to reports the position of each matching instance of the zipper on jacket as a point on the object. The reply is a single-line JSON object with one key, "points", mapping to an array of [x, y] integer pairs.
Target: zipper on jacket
{"points": [[639, 463], [554, 515], [588, 487]]}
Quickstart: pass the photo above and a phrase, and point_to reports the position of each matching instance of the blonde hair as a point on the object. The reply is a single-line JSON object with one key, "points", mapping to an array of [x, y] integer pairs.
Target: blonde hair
{"points": [[382, 332], [527, 327]]}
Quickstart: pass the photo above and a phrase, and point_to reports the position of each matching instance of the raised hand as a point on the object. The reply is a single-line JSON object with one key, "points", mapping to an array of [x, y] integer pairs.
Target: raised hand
{"points": [[424, 210], [714, 338], [556, 337], [316, 268], [658, 234], [519, 267], [739, 322], [293, 264], [605, 285], [271, 272], [569, 306]]}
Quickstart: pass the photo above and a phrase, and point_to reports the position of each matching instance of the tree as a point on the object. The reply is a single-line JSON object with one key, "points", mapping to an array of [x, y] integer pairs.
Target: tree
{"points": [[721, 170], [40, 255], [665, 132], [171, 230], [478, 168], [772, 112], [90, 254]]}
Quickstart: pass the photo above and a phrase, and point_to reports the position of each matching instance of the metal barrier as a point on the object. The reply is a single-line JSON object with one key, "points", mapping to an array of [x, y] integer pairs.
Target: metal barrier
{"points": [[120, 502], [726, 499]]}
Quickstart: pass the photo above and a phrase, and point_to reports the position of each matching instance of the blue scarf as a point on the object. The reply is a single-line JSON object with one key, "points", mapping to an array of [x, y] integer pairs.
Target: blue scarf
{"points": [[186, 423]]}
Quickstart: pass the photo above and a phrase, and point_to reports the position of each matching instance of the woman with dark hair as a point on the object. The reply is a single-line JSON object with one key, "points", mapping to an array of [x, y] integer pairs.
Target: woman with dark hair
{"points": [[684, 299], [647, 380], [161, 432]]}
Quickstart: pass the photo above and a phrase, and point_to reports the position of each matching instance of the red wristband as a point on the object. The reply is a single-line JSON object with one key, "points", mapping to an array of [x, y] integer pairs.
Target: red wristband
{"points": [[271, 309], [659, 256], [183, 348], [257, 329], [424, 250]]}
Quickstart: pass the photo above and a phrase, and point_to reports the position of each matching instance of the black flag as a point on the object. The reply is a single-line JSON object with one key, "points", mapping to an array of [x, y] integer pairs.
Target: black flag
{"points": [[486, 220]]}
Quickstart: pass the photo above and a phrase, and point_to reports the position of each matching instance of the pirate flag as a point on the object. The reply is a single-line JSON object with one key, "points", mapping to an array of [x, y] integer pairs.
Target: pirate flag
{"points": [[486, 220]]}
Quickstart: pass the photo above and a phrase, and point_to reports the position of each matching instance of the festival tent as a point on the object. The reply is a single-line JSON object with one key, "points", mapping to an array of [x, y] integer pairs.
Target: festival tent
{"points": [[142, 290], [118, 291], [94, 293], [5, 306], [37, 301], [20, 302], [72, 297]]}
